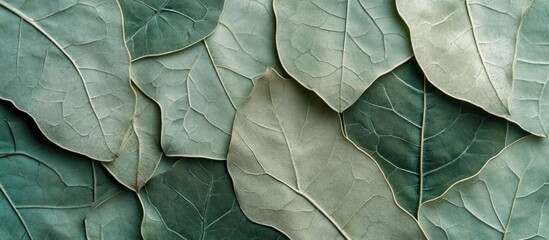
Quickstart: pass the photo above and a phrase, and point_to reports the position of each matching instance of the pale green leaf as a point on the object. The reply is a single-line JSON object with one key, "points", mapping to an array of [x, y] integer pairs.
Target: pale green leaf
{"points": [[196, 111], [195, 200], [117, 217], [491, 53], [508, 199], [156, 27], [338, 48], [45, 191], [243, 45], [66, 65], [140, 152], [529, 104], [423, 140], [199, 87], [293, 169]]}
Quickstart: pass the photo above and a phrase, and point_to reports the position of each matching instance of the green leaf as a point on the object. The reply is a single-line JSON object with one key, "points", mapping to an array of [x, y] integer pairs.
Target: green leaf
{"points": [[118, 217], [195, 200], [66, 65], [529, 104], [141, 152], [508, 199], [199, 88], [491, 53], [243, 45], [293, 169], [338, 48], [154, 27], [196, 111], [423, 140], [45, 191]]}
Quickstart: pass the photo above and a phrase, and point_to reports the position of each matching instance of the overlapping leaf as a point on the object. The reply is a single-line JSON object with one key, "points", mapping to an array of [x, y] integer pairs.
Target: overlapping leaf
{"points": [[490, 53], [156, 27], [293, 169], [117, 217], [45, 192], [423, 140], [65, 63], [338, 48], [199, 87], [140, 152], [195, 200], [508, 199]]}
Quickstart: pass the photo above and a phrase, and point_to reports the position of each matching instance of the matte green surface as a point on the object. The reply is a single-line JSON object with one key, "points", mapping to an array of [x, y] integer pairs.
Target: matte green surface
{"points": [[508, 199], [45, 192], [156, 27], [66, 65], [338, 48], [293, 169], [195, 200], [423, 140]]}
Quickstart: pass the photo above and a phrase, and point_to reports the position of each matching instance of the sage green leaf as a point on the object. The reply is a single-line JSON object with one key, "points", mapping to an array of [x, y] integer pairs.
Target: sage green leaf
{"points": [[118, 217], [45, 191], [489, 53], [507, 199], [141, 152], [65, 64], [199, 87], [293, 169], [154, 27], [423, 140], [529, 104], [338, 48], [196, 111], [243, 45], [195, 200]]}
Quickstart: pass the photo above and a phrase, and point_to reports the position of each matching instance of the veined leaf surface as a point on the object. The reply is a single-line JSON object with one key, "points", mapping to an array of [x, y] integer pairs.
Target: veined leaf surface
{"points": [[507, 199], [293, 169], [491, 53], [338, 48], [141, 152], [423, 140], [45, 191], [66, 65], [195, 200], [199, 87], [117, 217], [156, 27]]}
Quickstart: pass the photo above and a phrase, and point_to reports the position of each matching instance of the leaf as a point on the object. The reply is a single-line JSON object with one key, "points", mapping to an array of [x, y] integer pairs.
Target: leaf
{"points": [[529, 102], [196, 111], [195, 200], [338, 48], [507, 199], [118, 217], [154, 27], [65, 64], [45, 191], [489, 53], [243, 45], [199, 87], [141, 152], [293, 169], [423, 140]]}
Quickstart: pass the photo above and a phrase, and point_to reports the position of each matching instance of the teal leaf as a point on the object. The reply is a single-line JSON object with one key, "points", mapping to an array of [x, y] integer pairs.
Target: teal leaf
{"points": [[65, 64], [338, 48], [195, 200], [154, 27], [293, 169], [507, 199], [423, 140]]}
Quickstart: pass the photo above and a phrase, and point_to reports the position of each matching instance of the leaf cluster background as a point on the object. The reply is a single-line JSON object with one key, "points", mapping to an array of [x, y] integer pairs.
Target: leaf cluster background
{"points": [[274, 119]]}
